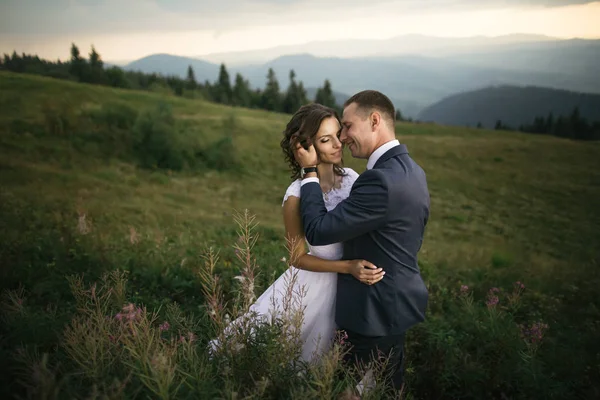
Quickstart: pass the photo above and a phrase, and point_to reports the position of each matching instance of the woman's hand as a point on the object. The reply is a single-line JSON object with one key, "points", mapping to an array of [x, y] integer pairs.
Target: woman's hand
{"points": [[365, 271]]}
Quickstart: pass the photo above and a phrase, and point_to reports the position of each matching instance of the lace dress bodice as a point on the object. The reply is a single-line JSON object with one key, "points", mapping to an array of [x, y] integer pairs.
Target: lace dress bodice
{"points": [[331, 199]]}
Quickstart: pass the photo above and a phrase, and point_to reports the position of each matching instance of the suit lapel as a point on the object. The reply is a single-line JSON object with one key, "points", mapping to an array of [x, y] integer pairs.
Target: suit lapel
{"points": [[393, 152]]}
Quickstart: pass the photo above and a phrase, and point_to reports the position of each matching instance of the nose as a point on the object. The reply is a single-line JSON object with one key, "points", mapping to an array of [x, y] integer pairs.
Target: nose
{"points": [[343, 135], [336, 143]]}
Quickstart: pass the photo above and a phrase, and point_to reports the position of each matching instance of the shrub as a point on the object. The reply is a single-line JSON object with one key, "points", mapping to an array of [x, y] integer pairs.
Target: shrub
{"points": [[221, 155], [115, 115], [156, 141]]}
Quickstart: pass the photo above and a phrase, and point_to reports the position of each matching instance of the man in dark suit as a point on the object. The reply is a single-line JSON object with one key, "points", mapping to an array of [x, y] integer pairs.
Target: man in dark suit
{"points": [[383, 221]]}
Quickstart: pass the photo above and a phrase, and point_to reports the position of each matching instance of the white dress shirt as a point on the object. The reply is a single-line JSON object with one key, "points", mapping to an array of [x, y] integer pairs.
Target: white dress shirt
{"points": [[381, 150]]}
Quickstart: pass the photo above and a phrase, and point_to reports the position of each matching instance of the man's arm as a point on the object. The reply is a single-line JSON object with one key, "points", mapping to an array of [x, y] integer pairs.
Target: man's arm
{"points": [[363, 211]]}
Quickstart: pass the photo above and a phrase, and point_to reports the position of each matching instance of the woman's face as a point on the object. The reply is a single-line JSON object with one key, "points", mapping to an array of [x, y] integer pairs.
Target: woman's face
{"points": [[327, 142]]}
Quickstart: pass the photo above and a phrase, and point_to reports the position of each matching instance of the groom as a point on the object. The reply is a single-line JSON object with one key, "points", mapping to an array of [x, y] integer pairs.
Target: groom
{"points": [[383, 221]]}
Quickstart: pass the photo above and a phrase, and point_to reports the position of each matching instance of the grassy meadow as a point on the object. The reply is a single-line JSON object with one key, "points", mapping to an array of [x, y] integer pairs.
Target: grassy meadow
{"points": [[111, 200]]}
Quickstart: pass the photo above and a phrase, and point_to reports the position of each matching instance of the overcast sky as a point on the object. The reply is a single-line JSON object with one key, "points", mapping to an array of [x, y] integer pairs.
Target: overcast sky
{"points": [[129, 29]]}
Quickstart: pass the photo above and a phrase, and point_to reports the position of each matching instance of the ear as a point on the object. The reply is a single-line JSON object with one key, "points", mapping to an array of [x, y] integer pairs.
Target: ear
{"points": [[375, 120]]}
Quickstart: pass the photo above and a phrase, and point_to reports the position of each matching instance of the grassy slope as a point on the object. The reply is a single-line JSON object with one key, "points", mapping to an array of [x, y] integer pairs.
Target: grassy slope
{"points": [[530, 196], [505, 206]]}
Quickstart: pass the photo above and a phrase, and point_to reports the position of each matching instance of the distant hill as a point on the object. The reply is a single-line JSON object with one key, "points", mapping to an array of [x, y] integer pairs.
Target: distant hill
{"points": [[577, 58], [400, 45], [511, 104], [414, 82], [167, 64]]}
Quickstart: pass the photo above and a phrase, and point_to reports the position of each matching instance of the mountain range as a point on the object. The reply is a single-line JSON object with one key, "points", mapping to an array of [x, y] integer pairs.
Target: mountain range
{"points": [[513, 106], [398, 45], [436, 69]]}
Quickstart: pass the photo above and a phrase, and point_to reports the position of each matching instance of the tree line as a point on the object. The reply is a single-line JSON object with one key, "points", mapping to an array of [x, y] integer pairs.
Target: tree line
{"points": [[92, 70], [572, 126]]}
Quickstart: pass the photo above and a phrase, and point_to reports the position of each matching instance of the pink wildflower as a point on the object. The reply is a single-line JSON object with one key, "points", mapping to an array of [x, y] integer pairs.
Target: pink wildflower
{"points": [[492, 299], [535, 333], [519, 285], [464, 289], [164, 326]]}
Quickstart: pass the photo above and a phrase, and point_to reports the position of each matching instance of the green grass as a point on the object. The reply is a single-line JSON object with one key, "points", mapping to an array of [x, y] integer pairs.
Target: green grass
{"points": [[505, 207]]}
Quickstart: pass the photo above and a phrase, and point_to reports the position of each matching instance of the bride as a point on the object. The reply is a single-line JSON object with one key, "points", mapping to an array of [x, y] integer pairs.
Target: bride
{"points": [[316, 270]]}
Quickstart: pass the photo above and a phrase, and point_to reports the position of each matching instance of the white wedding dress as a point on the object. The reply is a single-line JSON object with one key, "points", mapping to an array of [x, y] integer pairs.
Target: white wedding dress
{"points": [[319, 288]]}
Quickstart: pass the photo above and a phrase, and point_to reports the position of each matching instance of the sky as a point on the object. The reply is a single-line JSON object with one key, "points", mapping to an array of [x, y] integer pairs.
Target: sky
{"points": [[124, 30]]}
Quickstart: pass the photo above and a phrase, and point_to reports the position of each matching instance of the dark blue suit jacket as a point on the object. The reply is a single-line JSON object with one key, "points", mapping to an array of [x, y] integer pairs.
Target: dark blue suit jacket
{"points": [[382, 221]]}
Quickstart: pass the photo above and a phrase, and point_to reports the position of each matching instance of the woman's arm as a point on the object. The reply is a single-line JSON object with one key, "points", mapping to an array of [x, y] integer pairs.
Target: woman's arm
{"points": [[301, 260]]}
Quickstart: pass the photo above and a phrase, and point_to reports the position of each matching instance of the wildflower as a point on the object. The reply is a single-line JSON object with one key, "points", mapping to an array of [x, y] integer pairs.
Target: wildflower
{"points": [[343, 336], [164, 326], [535, 333], [519, 285], [119, 316], [283, 259], [492, 299], [464, 289]]}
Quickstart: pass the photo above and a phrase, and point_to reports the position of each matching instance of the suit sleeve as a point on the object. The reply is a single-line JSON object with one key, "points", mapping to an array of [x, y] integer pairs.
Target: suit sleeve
{"points": [[363, 211]]}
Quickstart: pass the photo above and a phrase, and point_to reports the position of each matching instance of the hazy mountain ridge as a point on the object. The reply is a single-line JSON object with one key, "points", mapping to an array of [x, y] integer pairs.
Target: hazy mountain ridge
{"points": [[403, 44], [167, 64], [416, 81], [511, 105]]}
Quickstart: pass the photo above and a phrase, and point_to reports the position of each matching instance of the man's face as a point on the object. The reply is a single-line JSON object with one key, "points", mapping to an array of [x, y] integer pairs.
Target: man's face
{"points": [[356, 132]]}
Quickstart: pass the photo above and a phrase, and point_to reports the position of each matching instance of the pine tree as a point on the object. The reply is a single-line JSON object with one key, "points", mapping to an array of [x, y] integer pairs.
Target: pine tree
{"points": [[271, 98], [325, 95], [295, 95], [223, 87], [399, 116], [191, 79], [96, 69], [16, 63], [78, 64], [241, 95], [301, 95]]}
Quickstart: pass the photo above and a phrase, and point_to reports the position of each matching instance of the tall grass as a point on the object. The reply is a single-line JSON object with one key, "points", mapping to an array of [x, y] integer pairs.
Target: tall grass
{"points": [[114, 347], [471, 346]]}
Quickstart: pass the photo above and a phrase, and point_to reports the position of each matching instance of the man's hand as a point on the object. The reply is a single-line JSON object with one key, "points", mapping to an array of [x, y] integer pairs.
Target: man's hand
{"points": [[365, 271], [306, 158]]}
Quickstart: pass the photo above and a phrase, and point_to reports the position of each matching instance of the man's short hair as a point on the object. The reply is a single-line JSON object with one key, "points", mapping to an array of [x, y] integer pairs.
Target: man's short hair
{"points": [[368, 101]]}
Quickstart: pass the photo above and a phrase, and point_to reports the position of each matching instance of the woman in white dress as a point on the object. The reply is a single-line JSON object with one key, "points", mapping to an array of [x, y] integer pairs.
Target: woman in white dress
{"points": [[316, 270]]}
